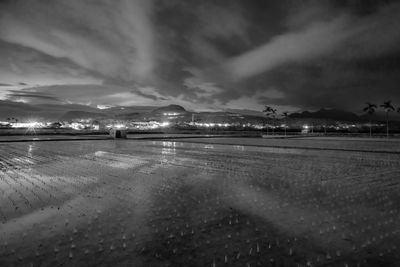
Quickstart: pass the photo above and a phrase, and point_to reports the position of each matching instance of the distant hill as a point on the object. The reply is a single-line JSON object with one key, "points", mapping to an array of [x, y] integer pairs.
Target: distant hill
{"points": [[245, 112], [341, 115], [119, 110], [381, 116], [328, 114], [76, 115], [68, 112], [228, 117], [55, 112], [66, 107], [9, 109], [169, 108], [131, 116]]}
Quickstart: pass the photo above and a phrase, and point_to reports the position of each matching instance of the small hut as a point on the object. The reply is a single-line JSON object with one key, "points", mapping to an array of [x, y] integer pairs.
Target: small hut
{"points": [[118, 133]]}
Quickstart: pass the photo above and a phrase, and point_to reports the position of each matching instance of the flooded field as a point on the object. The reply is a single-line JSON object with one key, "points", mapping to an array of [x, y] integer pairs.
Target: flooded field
{"points": [[200, 202]]}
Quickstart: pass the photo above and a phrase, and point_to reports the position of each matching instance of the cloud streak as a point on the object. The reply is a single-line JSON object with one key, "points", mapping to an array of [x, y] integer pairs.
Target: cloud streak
{"points": [[342, 34], [316, 40], [112, 38], [204, 54]]}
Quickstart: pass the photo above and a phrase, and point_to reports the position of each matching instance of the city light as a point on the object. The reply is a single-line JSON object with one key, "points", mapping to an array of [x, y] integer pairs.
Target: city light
{"points": [[103, 106], [29, 125], [120, 126], [76, 126]]}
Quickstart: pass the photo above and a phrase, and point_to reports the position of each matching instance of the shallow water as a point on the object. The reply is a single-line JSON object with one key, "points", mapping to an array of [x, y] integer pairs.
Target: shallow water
{"points": [[172, 203]]}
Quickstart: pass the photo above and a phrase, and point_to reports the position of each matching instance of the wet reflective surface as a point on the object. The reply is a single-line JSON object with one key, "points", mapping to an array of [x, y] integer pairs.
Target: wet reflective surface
{"points": [[172, 203]]}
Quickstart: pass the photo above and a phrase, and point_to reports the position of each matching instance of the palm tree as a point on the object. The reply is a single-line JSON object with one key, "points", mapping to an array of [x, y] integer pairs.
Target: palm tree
{"points": [[273, 120], [268, 111], [370, 109], [387, 106], [285, 115]]}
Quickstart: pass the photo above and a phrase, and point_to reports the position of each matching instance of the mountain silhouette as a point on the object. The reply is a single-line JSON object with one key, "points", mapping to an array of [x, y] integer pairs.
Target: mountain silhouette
{"points": [[169, 109], [328, 114]]}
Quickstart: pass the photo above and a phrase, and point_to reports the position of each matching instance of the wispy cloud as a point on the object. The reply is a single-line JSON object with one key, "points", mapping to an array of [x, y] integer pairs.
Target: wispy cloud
{"points": [[112, 38], [342, 34], [201, 54]]}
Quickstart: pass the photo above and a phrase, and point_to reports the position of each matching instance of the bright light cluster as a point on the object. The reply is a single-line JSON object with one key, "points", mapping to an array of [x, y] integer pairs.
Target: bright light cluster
{"points": [[120, 126], [200, 124], [77, 126], [31, 125]]}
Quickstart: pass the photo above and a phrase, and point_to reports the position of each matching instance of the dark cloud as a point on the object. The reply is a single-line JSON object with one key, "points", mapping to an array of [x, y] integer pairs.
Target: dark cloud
{"points": [[329, 62], [24, 96], [31, 97], [204, 54]]}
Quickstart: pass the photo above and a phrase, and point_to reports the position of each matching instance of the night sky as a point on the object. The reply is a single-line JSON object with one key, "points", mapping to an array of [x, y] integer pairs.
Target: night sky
{"points": [[203, 55]]}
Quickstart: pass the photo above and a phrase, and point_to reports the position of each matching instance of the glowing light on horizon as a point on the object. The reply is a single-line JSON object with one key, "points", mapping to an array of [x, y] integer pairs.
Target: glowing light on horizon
{"points": [[120, 126], [29, 125], [104, 106]]}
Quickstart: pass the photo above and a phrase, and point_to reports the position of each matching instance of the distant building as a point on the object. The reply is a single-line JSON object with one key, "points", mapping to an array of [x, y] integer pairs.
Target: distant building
{"points": [[118, 133]]}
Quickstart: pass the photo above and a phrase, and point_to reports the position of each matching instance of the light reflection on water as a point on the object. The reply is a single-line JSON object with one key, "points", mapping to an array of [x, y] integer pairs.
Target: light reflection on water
{"points": [[30, 149], [289, 197], [116, 160], [22, 161], [168, 148], [168, 152], [240, 148]]}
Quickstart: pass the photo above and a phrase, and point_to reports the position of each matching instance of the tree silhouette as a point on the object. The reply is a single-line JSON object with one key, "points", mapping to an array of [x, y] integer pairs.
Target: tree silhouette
{"points": [[387, 106], [273, 120], [285, 115], [269, 111], [266, 112], [370, 110]]}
